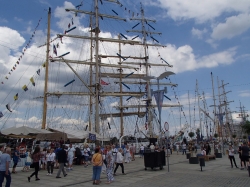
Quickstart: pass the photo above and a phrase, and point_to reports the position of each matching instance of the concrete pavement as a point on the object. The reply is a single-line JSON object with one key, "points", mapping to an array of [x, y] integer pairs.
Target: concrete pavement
{"points": [[216, 173]]}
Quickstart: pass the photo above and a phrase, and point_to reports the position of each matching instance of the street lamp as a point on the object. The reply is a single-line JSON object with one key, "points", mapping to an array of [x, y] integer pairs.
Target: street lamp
{"points": [[163, 75], [158, 92]]}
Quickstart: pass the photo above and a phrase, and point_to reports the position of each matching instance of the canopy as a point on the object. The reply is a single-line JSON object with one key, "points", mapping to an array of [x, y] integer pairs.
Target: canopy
{"points": [[77, 134], [23, 132], [57, 136]]}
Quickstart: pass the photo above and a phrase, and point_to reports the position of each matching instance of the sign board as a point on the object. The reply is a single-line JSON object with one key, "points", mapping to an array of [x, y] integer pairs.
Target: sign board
{"points": [[92, 137]]}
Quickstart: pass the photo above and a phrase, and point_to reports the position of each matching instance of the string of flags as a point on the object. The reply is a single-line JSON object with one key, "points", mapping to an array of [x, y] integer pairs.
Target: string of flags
{"points": [[186, 122], [23, 52]]}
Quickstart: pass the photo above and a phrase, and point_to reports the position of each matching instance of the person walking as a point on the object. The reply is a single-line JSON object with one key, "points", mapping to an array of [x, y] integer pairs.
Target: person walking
{"points": [[50, 158], [231, 156], [16, 157], [36, 156], [119, 161], [184, 147], [97, 166], [62, 159], [71, 155], [177, 148], [127, 154], [86, 154], [110, 165], [4, 167], [132, 152], [244, 156], [141, 151]]}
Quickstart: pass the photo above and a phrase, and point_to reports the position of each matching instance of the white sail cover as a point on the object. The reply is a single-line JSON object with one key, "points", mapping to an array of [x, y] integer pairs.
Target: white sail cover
{"points": [[23, 131], [80, 134]]}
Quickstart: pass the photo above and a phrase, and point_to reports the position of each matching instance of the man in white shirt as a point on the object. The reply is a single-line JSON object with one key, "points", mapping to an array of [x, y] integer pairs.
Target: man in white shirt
{"points": [[184, 147], [71, 155], [141, 151], [4, 167], [86, 154], [119, 161], [114, 152], [152, 147]]}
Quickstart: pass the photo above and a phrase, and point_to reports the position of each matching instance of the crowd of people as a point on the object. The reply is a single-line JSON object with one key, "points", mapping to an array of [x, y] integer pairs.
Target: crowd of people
{"points": [[57, 155], [105, 159]]}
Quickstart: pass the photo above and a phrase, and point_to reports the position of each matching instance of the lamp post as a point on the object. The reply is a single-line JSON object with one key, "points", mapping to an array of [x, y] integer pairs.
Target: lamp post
{"points": [[158, 92]]}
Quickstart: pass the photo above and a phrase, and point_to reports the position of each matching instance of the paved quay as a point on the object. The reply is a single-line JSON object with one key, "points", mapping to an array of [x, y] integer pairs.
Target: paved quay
{"points": [[216, 173]]}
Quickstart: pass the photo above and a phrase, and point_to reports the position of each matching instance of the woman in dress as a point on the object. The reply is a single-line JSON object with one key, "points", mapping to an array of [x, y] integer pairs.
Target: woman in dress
{"points": [[110, 165], [127, 154], [36, 158], [43, 158], [27, 162], [97, 166]]}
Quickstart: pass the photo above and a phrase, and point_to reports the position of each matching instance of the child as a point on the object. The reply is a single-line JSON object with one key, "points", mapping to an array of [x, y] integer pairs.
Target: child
{"points": [[27, 162]]}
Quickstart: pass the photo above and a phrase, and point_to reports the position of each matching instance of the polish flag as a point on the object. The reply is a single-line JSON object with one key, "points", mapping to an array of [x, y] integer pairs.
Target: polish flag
{"points": [[104, 83]]}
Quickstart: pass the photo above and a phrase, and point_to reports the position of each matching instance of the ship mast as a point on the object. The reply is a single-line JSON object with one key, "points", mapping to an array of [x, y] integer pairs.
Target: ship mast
{"points": [[97, 123], [91, 78], [46, 73]]}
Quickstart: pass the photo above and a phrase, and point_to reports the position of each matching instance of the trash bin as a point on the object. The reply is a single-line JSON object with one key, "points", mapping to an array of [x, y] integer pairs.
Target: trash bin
{"points": [[202, 162], [218, 155], [154, 159], [193, 160], [188, 155]]}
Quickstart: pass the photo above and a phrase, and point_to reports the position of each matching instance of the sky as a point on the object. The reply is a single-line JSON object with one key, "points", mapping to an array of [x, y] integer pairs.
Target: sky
{"points": [[200, 37]]}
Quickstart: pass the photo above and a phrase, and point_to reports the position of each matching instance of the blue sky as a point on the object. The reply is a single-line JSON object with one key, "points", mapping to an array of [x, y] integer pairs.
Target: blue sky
{"points": [[201, 37]]}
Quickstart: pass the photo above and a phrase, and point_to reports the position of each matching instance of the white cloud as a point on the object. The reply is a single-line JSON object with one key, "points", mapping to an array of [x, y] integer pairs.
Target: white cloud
{"points": [[65, 17], [198, 33], [244, 93], [234, 25], [183, 58], [201, 11]]}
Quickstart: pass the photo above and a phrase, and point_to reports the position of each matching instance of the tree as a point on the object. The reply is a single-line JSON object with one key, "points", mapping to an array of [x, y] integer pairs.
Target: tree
{"points": [[246, 127]]}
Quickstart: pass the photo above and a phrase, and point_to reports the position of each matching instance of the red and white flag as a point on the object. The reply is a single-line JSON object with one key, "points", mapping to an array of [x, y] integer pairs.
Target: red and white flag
{"points": [[104, 83]]}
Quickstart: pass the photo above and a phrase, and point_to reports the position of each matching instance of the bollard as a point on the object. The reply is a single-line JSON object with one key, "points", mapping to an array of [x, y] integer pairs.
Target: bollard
{"points": [[202, 162]]}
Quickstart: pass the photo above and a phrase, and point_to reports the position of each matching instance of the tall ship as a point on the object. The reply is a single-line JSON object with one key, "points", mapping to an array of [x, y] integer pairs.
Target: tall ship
{"points": [[106, 77]]}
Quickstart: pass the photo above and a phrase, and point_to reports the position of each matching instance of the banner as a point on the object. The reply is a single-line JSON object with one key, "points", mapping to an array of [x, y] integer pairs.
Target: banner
{"points": [[159, 95]]}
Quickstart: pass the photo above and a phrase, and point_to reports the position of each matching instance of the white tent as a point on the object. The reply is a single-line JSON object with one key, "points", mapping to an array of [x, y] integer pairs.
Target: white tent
{"points": [[80, 134], [23, 132]]}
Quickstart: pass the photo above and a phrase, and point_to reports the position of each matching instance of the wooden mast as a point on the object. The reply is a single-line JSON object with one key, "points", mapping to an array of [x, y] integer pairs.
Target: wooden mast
{"points": [[97, 123], [91, 72], [120, 84], [46, 73]]}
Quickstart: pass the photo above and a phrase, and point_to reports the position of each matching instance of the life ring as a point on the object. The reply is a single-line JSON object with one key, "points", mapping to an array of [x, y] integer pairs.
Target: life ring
{"points": [[22, 151]]}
